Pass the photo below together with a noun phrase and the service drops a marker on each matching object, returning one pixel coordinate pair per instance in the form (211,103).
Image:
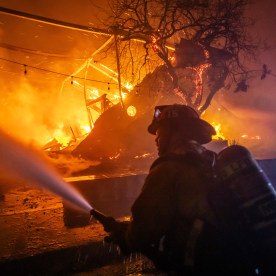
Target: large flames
(64,132)
(219,135)
(96,101)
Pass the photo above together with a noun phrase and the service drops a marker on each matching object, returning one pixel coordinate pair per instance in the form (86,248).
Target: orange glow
(142,156)
(114,157)
(85,129)
(128,86)
(245,136)
(131,111)
(154,45)
(219,135)
(110,70)
(172,58)
(198,80)
(61,136)
(206,53)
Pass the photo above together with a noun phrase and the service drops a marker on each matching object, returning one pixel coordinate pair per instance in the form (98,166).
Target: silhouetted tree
(207,36)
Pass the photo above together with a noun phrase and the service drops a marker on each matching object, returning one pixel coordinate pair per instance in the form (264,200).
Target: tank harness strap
(205,161)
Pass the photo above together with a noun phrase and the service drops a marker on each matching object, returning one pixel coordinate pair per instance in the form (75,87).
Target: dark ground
(35,241)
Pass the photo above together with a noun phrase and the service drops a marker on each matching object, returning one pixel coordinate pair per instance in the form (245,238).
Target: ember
(245,136)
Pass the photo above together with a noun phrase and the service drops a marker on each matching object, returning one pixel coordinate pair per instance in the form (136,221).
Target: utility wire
(72,26)
(55,22)
(35,52)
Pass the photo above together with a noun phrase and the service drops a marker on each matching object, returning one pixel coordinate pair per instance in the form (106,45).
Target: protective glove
(116,229)
(117,235)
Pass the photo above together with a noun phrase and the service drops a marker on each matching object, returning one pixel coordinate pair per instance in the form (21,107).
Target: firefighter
(173,222)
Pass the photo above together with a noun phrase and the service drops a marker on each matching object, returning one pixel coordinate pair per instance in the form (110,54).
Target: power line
(54,22)
(72,26)
(35,52)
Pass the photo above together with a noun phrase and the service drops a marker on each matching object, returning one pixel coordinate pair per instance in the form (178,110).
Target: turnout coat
(174,223)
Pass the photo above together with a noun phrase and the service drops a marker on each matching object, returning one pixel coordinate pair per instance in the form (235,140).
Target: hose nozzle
(107,222)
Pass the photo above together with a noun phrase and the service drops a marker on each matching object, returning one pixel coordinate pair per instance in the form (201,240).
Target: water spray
(18,162)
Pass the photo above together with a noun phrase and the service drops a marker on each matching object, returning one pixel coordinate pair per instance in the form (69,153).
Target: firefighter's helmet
(179,118)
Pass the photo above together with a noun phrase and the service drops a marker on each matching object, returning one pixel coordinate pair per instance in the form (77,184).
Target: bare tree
(207,37)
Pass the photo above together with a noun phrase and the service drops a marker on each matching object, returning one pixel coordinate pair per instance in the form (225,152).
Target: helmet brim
(203,128)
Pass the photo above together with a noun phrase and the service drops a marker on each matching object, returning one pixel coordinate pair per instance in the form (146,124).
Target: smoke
(36,115)
(31,107)
(245,125)
(68,165)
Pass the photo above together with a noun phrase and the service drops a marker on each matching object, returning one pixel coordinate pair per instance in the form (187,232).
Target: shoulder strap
(206,160)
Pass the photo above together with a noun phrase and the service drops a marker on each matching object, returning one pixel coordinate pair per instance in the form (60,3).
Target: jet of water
(16,161)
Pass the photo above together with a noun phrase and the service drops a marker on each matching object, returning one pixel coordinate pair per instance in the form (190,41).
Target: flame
(128,86)
(172,59)
(142,156)
(154,44)
(206,53)
(219,135)
(86,128)
(62,138)
(64,135)
(115,157)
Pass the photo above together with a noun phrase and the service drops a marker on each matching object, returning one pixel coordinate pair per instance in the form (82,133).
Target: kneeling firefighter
(175,221)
